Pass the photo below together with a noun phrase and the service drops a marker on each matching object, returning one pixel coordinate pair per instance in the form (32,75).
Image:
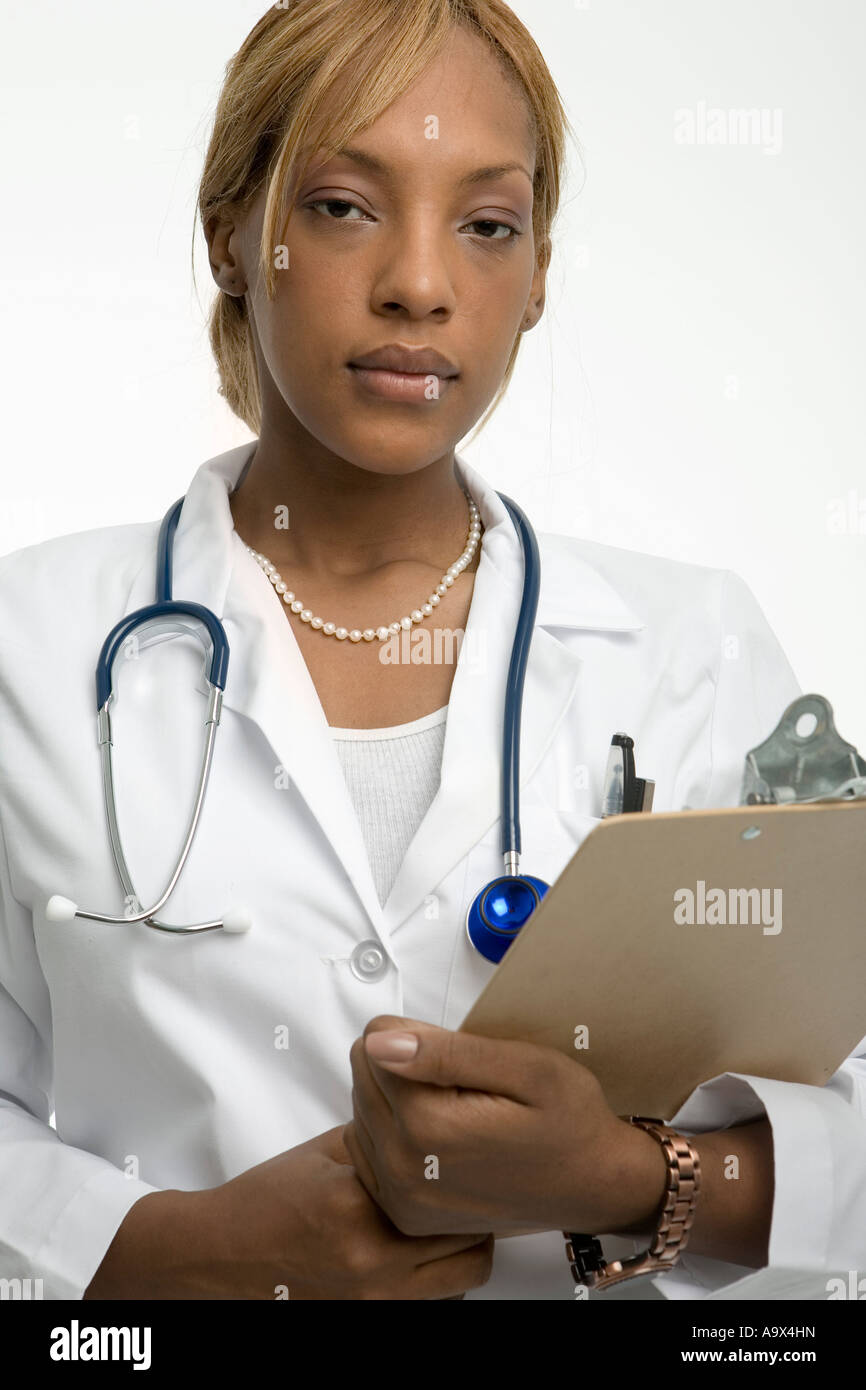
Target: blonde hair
(275,85)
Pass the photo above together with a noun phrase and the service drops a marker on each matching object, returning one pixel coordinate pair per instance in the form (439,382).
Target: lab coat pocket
(551,839)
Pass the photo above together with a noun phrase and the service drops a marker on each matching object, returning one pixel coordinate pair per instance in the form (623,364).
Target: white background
(695,389)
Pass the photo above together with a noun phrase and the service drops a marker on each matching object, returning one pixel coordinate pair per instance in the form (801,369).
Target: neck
(323,516)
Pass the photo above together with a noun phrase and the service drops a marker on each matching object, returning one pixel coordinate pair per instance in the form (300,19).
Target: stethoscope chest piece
(500,910)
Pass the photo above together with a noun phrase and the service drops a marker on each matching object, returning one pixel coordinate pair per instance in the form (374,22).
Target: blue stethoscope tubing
(496,914)
(499,911)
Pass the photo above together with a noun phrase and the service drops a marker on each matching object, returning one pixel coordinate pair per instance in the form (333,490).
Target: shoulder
(70,568)
(61,595)
(689,624)
(654,589)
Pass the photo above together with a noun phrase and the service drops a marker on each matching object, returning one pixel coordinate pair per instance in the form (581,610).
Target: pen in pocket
(623,791)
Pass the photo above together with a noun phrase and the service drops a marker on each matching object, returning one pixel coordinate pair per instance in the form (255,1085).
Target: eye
(337,203)
(489,222)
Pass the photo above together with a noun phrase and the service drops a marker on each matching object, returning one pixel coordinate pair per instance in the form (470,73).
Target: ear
(535,302)
(224,253)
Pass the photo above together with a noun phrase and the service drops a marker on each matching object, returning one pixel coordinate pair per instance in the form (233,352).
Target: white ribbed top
(392,775)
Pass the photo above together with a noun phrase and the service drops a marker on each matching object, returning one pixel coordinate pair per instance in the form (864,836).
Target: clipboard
(667,1004)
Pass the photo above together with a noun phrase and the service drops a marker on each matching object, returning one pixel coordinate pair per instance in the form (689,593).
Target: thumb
(442,1057)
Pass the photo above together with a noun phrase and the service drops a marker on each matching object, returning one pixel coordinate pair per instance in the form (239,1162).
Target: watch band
(584,1252)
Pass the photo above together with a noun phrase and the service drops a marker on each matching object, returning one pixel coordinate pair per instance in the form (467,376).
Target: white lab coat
(161,1055)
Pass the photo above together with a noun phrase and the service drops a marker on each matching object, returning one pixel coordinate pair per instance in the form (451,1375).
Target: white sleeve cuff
(80,1237)
(802,1122)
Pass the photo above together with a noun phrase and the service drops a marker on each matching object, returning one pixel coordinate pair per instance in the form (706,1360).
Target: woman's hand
(300,1226)
(477,1134)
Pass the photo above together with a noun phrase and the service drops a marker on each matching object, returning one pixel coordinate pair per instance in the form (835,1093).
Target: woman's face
(410,238)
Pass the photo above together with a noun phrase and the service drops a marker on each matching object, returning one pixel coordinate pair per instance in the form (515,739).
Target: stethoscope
(497,913)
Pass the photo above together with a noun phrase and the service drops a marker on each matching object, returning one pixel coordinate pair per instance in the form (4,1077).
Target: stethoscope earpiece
(60,909)
(237,920)
(500,910)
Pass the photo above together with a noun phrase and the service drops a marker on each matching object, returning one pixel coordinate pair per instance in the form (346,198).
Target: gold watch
(584,1253)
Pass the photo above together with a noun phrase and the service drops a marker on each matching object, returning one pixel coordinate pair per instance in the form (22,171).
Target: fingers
(368,1092)
(432,1249)
(451,1275)
(332,1143)
(357,1146)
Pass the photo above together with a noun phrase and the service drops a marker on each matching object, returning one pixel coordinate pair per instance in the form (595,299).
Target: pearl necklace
(382,633)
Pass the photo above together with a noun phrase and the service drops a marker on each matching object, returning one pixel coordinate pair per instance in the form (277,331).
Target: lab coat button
(369,962)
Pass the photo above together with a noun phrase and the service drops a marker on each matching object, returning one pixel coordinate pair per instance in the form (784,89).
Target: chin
(393,453)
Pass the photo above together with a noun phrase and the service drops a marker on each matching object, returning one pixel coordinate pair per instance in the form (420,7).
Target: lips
(397,358)
(403,387)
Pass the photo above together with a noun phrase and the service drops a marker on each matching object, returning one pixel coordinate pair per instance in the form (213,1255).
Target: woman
(228,1122)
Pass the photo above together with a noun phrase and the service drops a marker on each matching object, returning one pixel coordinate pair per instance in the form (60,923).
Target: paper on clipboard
(779,991)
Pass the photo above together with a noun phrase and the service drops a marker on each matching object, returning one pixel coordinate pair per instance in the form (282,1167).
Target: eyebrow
(483,175)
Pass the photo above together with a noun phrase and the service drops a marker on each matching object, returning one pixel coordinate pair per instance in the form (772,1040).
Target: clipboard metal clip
(804,759)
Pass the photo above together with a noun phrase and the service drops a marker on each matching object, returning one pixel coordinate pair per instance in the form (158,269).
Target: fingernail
(392,1047)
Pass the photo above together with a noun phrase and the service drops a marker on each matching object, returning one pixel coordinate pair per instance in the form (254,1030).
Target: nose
(415,275)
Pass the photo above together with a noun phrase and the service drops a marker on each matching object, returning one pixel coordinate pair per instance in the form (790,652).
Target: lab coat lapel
(268,681)
(273,687)
(469,798)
